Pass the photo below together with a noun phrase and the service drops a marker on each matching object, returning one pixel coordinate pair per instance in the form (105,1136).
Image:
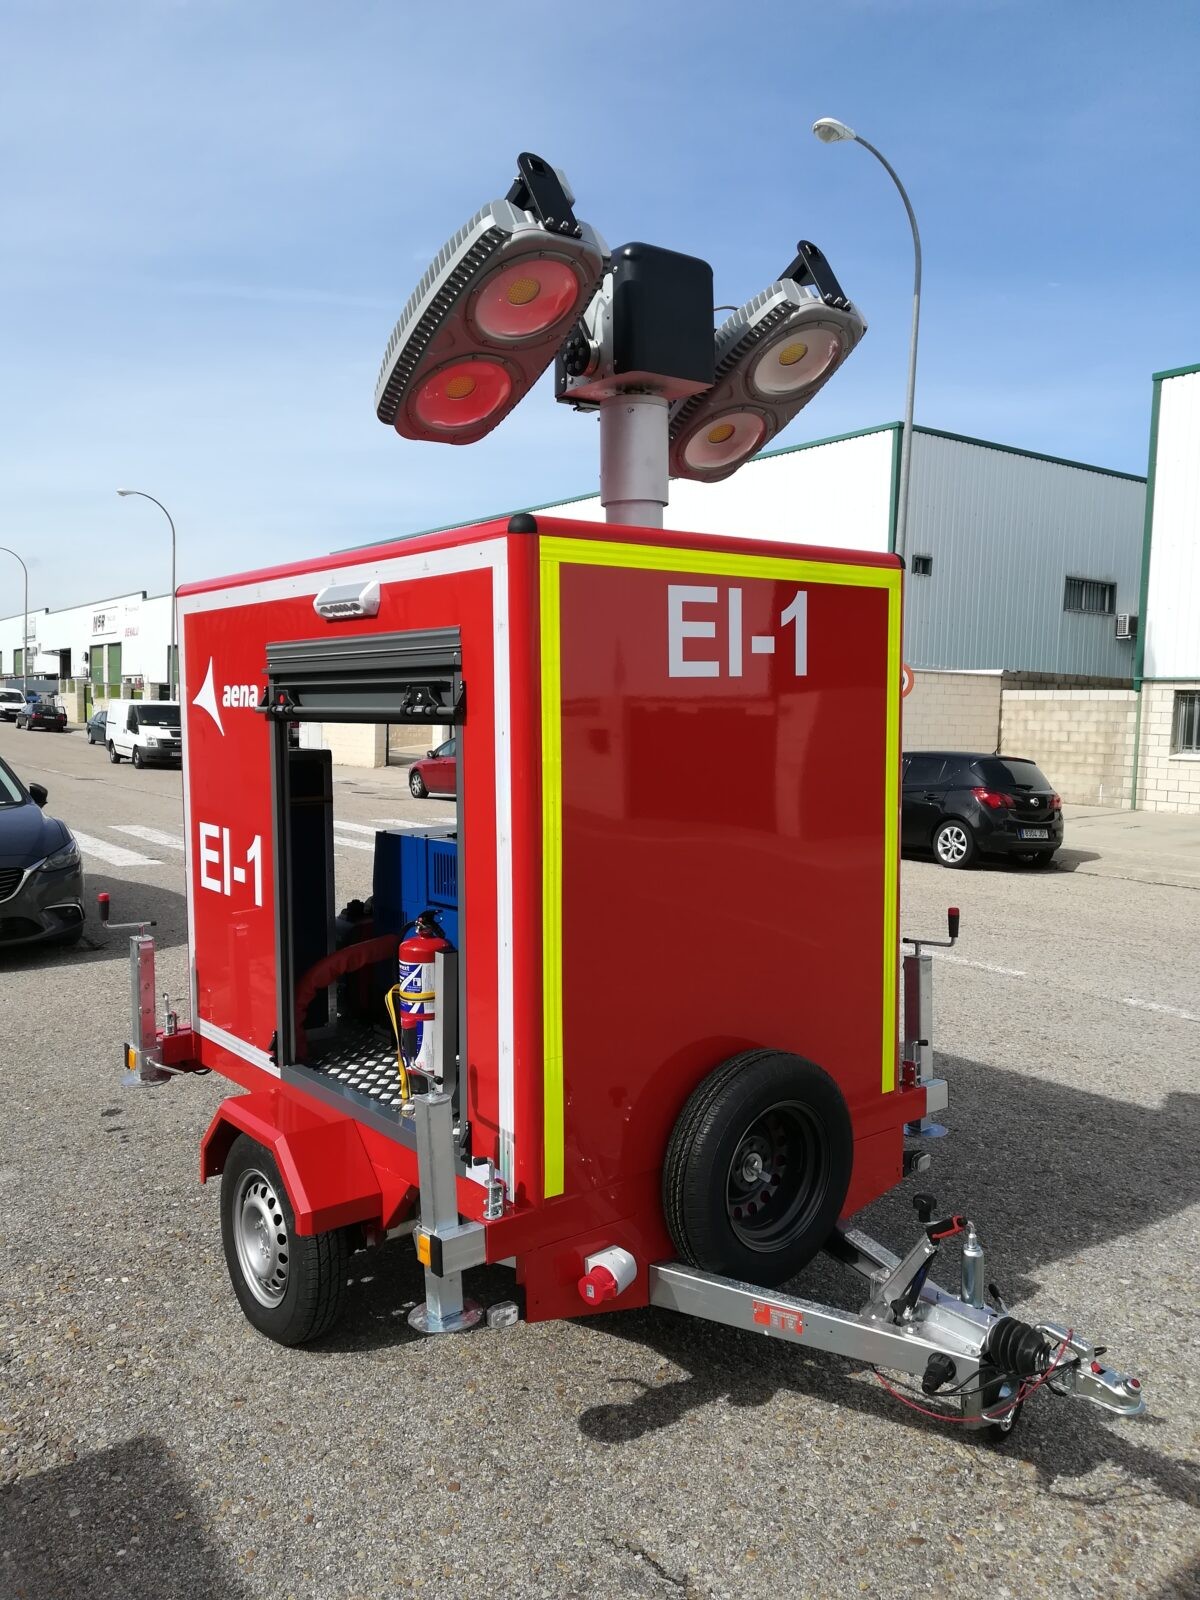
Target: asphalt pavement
(152,1445)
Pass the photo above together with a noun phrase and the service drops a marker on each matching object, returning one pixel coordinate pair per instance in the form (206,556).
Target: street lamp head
(124,492)
(830,131)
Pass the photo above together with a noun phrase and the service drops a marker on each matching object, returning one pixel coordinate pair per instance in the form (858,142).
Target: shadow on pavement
(385,1284)
(129,901)
(1067,860)
(1048,1172)
(118,1522)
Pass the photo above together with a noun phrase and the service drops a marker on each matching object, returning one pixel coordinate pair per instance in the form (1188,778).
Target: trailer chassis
(981,1362)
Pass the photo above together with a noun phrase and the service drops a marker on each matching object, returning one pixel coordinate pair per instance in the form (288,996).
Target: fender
(328,1175)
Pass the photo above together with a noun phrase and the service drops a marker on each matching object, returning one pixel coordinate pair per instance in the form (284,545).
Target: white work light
(772,357)
(487,318)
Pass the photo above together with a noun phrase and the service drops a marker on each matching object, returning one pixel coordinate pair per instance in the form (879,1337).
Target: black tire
(416,786)
(112,754)
(137,757)
(762,1228)
(66,940)
(954,843)
(308,1274)
(1042,859)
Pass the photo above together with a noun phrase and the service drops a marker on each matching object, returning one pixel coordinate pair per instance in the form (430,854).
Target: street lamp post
(172,668)
(830,131)
(24,622)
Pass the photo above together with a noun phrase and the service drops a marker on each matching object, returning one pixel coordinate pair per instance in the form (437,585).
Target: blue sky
(213,212)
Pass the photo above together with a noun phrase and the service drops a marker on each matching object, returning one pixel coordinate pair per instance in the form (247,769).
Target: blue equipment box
(416,872)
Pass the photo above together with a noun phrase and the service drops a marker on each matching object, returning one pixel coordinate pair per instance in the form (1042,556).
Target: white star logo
(206,697)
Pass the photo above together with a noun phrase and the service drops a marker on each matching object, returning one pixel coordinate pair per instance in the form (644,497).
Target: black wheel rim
(777,1177)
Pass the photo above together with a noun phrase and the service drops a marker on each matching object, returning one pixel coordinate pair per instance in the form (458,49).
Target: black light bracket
(810,269)
(539,189)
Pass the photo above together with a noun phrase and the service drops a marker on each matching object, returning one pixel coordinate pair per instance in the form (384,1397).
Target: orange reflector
(423,1249)
(131,1058)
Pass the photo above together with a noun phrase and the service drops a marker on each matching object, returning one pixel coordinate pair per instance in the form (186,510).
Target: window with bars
(1185,727)
(922,566)
(1090,594)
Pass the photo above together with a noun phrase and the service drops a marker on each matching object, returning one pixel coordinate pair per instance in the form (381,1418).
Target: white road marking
(981,966)
(1155,1005)
(169,841)
(414,825)
(354,827)
(114,854)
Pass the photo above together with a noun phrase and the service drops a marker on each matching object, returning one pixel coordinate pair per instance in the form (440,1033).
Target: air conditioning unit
(1127,625)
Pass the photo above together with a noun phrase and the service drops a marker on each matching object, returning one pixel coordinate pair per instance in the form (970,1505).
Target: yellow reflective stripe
(552,1024)
(556,551)
(891,822)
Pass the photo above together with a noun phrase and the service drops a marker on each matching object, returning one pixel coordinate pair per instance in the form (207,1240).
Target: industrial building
(118,646)
(1167,670)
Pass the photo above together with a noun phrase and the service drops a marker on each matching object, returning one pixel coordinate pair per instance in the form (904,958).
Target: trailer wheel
(757,1167)
(290,1287)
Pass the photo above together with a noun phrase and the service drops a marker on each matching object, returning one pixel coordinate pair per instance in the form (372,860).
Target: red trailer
(631,1024)
(668,1062)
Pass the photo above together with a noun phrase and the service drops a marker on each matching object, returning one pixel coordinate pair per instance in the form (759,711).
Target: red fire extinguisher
(417,989)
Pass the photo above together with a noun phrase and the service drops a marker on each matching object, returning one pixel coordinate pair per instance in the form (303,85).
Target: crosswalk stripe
(437,824)
(352,844)
(353,827)
(114,854)
(169,841)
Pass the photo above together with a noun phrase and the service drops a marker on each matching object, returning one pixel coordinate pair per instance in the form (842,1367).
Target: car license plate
(1035,833)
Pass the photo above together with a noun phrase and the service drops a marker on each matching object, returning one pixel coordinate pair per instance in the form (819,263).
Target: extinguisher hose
(389,1000)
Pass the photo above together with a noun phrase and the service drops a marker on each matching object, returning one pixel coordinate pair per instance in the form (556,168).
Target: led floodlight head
(485,321)
(772,356)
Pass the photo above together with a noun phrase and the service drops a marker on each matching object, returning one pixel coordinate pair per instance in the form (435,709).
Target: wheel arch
(329,1177)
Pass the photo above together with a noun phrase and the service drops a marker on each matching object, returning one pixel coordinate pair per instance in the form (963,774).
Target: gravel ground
(154,1446)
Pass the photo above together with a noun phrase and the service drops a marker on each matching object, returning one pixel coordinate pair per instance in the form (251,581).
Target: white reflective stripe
(115,855)
(237,1047)
(169,841)
(485,554)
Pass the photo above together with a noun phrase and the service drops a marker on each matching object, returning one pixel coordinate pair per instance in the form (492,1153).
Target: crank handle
(953,917)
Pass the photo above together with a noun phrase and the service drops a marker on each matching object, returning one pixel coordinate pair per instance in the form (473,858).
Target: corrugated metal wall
(1005,531)
(837,493)
(1173,597)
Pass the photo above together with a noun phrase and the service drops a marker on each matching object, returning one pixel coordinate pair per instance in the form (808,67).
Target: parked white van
(145,732)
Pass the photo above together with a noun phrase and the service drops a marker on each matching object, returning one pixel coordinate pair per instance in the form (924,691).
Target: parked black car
(41,876)
(962,806)
(97,724)
(42,714)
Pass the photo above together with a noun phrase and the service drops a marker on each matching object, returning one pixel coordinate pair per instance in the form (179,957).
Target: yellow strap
(390,1001)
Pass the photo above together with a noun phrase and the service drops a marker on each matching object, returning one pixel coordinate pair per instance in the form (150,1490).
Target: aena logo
(233,694)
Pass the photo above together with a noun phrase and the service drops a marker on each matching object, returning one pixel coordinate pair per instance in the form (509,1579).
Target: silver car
(41,875)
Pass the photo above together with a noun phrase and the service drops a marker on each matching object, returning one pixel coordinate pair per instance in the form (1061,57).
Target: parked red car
(42,714)
(437,773)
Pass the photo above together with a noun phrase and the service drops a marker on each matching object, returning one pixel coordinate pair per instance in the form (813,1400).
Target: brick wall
(1166,782)
(1081,738)
(952,711)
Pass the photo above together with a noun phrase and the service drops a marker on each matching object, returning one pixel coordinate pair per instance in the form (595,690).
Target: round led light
(462,395)
(792,364)
(522,302)
(735,436)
